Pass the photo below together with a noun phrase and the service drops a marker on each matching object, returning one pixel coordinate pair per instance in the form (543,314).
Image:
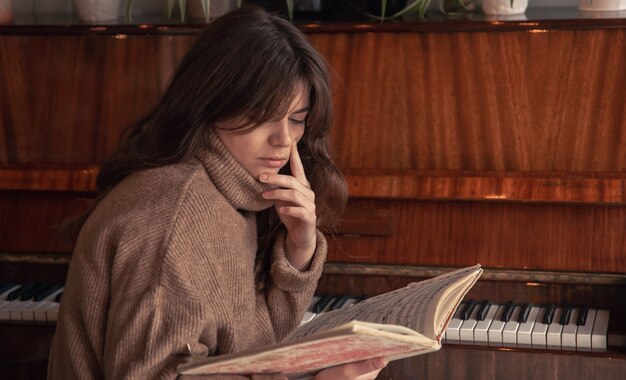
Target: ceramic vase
(6,12)
(601,5)
(504,7)
(97,10)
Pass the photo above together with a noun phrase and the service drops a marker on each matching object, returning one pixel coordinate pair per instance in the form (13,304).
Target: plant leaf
(169,8)
(414,6)
(129,15)
(289,9)
(182,4)
(383,8)
(206,8)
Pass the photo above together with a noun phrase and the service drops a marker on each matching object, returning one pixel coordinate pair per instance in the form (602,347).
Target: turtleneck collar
(239,188)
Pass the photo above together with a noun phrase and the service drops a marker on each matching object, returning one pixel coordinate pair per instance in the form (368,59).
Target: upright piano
(463,141)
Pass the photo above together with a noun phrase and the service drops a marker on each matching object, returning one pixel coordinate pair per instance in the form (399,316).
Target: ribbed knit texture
(166,260)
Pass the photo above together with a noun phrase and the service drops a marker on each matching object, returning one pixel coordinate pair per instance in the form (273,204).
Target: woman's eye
(296,121)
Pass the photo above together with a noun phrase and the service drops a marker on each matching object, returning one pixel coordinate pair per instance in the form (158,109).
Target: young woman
(204,239)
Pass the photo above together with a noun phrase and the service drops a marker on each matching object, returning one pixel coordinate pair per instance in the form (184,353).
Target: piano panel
(586,238)
(458,362)
(100,84)
(30,220)
(522,100)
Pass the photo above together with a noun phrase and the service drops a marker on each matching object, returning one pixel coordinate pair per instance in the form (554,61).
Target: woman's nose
(281,134)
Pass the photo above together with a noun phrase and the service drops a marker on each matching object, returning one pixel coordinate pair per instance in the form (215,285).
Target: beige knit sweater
(166,260)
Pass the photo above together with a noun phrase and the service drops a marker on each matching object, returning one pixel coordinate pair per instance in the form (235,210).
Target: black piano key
(549,314)
(323,302)
(582,316)
(360,298)
(508,310)
(340,302)
(32,292)
(6,286)
(467,310)
(46,292)
(17,293)
(58,297)
(523,314)
(565,315)
(482,312)
(332,305)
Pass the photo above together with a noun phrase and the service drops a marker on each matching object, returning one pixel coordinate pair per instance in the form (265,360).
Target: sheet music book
(404,322)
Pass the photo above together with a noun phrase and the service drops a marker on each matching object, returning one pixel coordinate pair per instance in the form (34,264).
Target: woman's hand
(295,204)
(365,370)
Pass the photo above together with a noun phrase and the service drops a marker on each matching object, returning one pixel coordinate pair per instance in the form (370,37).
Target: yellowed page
(421,306)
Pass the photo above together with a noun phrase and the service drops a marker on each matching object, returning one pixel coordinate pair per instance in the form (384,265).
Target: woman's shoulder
(153,193)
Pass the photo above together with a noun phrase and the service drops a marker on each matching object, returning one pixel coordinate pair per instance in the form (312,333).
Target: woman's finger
(287,182)
(290,196)
(297,168)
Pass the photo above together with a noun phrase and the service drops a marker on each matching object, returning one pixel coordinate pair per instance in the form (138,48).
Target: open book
(405,322)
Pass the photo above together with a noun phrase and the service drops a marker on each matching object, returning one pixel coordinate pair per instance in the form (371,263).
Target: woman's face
(267,147)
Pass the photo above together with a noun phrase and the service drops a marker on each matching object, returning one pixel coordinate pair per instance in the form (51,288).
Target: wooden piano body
(498,142)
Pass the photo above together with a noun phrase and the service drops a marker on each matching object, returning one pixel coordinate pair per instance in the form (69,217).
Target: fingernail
(263,177)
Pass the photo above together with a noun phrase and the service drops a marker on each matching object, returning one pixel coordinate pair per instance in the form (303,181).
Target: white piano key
(555,329)
(5,310)
(351,302)
(539,331)
(29,313)
(496,327)
(600,329)
(481,331)
(524,333)
(568,336)
(309,314)
(454,327)
(307,317)
(52,312)
(509,332)
(16,310)
(466,332)
(40,313)
(583,335)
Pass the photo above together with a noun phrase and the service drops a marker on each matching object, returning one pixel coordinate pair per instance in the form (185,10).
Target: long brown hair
(247,64)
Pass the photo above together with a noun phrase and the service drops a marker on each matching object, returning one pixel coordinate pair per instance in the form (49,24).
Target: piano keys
(540,327)
(509,325)
(30,302)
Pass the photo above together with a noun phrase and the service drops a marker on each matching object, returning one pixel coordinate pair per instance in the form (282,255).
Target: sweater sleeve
(291,290)
(147,335)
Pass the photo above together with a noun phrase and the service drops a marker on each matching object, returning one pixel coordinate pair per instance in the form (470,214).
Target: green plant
(415,6)
(289,9)
(182,5)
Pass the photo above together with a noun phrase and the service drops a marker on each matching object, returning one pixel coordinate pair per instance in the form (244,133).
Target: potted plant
(202,9)
(420,7)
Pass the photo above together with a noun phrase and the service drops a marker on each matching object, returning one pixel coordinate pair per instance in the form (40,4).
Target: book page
(348,343)
(416,306)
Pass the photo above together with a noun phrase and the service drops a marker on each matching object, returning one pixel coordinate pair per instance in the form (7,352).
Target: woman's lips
(274,162)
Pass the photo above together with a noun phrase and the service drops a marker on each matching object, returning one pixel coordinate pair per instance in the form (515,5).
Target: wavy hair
(245,64)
